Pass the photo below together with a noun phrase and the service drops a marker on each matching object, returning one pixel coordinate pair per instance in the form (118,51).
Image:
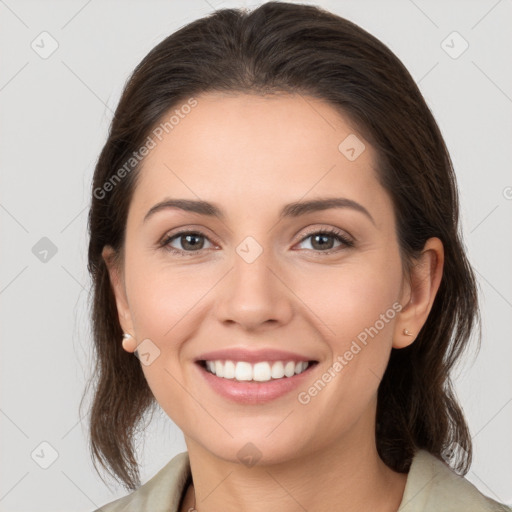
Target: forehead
(248,149)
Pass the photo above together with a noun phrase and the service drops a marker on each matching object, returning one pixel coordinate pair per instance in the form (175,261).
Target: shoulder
(432,486)
(162,493)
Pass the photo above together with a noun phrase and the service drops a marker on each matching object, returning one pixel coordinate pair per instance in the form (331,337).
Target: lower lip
(250,392)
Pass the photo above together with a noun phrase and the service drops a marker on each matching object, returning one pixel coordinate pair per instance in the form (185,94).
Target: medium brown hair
(302,49)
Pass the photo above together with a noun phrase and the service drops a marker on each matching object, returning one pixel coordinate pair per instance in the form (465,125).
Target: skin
(250,155)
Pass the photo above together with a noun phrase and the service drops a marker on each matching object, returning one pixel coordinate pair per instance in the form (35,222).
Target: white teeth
(243,370)
(229,370)
(277,371)
(289,369)
(259,372)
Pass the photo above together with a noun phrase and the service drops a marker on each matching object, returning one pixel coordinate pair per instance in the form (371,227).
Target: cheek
(163,296)
(165,306)
(353,297)
(356,309)
(168,306)
(356,314)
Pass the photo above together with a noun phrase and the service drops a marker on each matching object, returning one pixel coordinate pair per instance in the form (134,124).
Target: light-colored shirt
(431,486)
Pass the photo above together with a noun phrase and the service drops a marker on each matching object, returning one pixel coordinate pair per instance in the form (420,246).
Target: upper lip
(252,356)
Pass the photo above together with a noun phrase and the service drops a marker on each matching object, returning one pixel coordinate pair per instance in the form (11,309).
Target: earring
(129,343)
(407,333)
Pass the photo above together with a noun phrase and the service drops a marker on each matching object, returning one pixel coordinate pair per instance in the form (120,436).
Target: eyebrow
(295,209)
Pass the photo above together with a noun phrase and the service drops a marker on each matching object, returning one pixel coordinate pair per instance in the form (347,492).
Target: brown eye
(186,241)
(325,240)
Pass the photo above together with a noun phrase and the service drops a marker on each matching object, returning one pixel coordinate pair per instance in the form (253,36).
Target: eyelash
(164,244)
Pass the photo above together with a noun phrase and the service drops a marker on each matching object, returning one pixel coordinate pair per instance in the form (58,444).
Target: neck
(343,476)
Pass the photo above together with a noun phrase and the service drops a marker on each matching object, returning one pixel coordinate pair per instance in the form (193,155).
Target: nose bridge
(252,294)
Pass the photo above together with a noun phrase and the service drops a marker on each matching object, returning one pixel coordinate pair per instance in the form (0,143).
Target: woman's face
(251,276)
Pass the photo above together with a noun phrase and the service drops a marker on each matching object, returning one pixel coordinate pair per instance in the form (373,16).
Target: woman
(274,234)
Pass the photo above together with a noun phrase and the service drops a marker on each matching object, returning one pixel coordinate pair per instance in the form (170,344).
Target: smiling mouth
(263,371)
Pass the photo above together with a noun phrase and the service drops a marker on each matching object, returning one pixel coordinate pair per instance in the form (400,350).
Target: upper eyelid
(331,230)
(185,231)
(201,230)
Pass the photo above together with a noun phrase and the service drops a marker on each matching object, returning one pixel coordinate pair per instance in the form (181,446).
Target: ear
(419,292)
(119,289)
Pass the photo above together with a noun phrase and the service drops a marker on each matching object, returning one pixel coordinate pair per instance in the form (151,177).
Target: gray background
(55,113)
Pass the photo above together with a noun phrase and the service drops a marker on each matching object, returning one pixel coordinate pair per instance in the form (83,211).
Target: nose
(254,295)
